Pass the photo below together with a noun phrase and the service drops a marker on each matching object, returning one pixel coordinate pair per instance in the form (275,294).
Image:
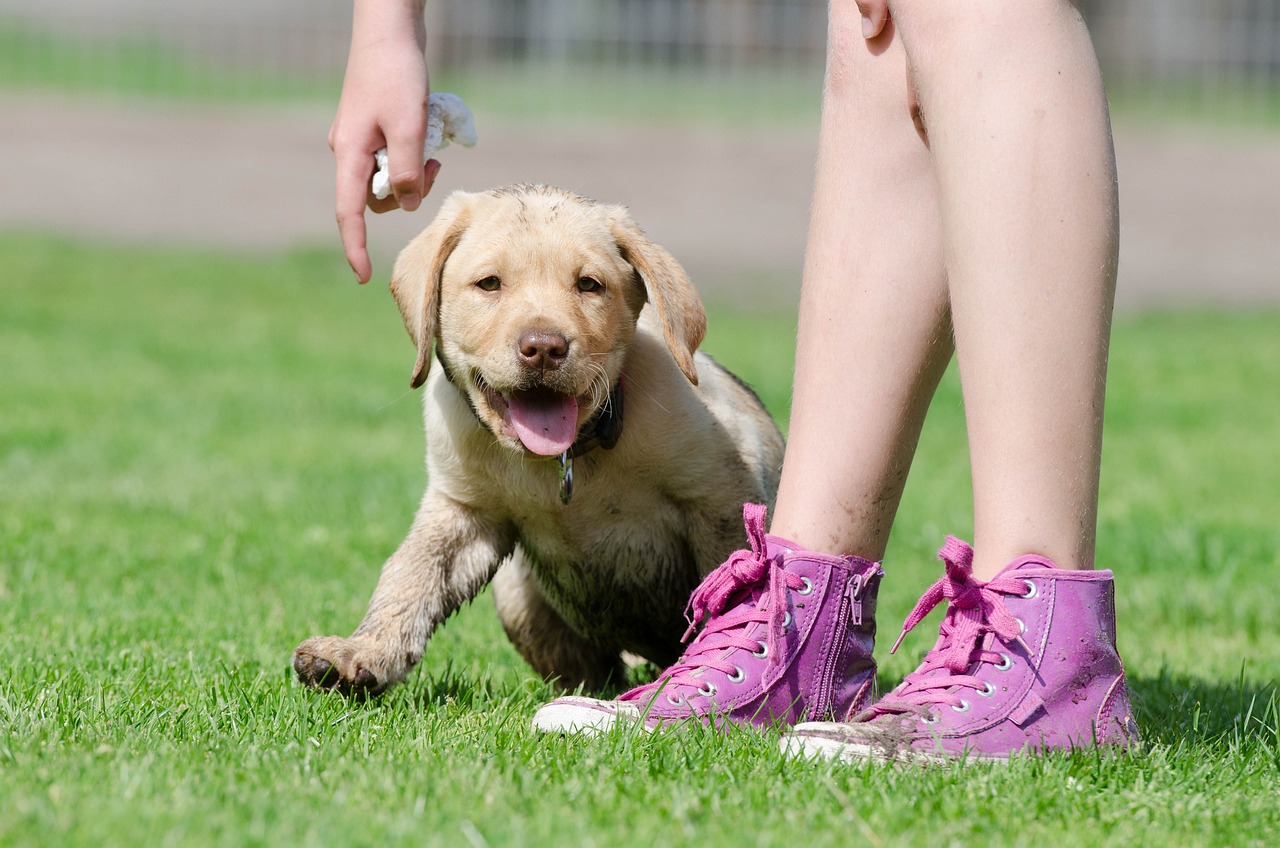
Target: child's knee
(870,73)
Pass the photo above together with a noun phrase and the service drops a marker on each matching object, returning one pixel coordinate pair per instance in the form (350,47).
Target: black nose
(542,350)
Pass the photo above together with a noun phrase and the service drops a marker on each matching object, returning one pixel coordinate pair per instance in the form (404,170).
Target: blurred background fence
(1210,59)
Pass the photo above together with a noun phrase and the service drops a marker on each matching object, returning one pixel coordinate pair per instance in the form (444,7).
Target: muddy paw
(334,664)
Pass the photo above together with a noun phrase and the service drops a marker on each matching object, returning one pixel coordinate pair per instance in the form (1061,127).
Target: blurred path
(1200,213)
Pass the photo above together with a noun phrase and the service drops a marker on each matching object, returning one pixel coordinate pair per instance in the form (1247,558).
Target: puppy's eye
(589,284)
(489,284)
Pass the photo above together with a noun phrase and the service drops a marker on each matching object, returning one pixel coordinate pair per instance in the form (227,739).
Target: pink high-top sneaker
(1025,662)
(786,636)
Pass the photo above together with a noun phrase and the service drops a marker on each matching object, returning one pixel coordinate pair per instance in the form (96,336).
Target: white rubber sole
(582,717)
(799,745)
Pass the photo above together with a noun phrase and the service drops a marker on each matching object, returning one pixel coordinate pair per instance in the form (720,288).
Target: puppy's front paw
(334,664)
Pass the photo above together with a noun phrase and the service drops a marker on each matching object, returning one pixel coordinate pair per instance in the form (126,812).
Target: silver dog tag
(566,477)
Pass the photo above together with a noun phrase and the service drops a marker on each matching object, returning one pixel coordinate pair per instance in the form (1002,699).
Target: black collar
(605,427)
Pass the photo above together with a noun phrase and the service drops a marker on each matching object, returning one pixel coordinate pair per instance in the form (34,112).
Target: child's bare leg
(874,335)
(1017,121)
(1026,660)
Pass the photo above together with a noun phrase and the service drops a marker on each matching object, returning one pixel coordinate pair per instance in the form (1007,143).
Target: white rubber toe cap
(582,716)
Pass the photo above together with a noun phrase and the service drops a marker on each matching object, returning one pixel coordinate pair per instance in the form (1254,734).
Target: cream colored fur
(576,585)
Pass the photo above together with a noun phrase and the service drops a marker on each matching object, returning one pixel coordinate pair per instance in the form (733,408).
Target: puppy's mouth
(544,420)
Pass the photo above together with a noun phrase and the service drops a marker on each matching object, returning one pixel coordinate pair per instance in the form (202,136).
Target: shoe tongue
(777,546)
(1028,562)
(545,422)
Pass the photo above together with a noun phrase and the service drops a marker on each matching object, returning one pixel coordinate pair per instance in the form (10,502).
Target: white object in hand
(448,119)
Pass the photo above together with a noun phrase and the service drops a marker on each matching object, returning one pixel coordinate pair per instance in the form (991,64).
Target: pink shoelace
(755,586)
(973,609)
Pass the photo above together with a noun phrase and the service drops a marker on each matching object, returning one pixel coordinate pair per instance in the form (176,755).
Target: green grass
(204,460)
(747,98)
(590,89)
(35,59)
(1234,104)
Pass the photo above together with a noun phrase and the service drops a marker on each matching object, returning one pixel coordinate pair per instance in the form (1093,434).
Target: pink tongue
(546,424)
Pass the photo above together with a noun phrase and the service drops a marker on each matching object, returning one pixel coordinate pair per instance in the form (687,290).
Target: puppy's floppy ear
(415,282)
(680,312)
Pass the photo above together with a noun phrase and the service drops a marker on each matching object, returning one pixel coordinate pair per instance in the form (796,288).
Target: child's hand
(383,104)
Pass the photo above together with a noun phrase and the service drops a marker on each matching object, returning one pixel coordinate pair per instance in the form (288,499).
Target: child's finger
(404,163)
(874,15)
(354,173)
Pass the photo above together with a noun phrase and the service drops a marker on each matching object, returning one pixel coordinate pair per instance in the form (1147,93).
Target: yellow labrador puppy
(581,454)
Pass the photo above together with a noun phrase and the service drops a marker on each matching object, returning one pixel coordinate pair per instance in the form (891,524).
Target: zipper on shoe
(853,591)
(850,615)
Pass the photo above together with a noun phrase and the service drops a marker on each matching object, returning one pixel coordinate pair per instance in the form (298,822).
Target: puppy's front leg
(450,554)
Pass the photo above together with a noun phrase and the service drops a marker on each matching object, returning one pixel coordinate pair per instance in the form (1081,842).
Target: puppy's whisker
(495,448)
(638,386)
(394,400)
(601,396)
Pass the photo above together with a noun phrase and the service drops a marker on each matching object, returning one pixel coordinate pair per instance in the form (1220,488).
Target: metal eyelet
(1022,625)
(1006,663)
(762,653)
(738,675)
(808,587)
(987,690)
(929,720)
(963,708)
(1032,591)
(710,690)
(675,702)
(786,619)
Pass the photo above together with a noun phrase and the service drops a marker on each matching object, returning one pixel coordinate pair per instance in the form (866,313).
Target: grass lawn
(204,460)
(39,58)
(34,59)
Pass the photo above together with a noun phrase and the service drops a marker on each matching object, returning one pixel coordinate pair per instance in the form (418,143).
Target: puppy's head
(532,296)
